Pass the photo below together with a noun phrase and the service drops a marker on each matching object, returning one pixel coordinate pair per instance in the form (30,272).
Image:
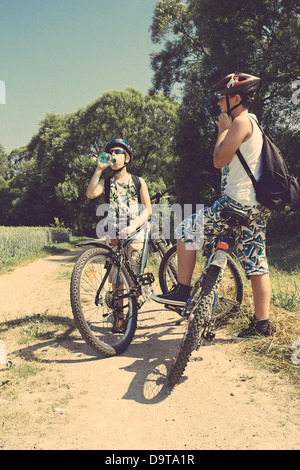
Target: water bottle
(2,353)
(107,158)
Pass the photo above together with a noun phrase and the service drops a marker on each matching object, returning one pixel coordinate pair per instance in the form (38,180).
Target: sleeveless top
(124,207)
(235,182)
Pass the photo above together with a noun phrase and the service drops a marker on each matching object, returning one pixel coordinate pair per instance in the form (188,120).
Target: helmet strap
(120,169)
(233,107)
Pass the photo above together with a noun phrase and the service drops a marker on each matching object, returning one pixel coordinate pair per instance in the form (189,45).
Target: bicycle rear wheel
(231,289)
(199,315)
(105,316)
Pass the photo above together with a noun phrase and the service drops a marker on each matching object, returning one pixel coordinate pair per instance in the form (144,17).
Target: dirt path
(80,401)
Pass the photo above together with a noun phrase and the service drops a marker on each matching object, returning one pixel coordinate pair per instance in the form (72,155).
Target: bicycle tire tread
(200,312)
(98,346)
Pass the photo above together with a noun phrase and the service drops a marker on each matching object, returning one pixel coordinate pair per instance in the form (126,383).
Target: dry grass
(275,352)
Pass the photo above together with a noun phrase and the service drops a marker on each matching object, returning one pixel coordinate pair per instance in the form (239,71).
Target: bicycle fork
(108,268)
(219,259)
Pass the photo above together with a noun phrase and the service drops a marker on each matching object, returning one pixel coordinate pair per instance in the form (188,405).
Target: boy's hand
(127,231)
(102,166)
(223,122)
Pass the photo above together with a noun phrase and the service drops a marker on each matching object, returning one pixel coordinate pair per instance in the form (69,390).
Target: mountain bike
(106,293)
(217,293)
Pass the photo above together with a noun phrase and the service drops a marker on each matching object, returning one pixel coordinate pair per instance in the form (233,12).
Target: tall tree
(8,193)
(4,165)
(53,171)
(215,37)
(202,40)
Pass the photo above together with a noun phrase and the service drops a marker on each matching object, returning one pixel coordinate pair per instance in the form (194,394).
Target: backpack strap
(246,166)
(107,188)
(243,161)
(136,181)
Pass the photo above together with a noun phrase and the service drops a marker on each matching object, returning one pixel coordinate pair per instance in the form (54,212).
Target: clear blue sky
(59,55)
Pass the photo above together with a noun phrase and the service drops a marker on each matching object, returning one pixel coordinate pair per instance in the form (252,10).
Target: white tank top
(235,181)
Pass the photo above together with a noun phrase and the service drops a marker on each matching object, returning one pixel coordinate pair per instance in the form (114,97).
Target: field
(22,244)
(19,244)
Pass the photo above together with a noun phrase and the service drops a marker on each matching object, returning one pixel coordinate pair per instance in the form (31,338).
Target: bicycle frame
(216,254)
(139,280)
(107,290)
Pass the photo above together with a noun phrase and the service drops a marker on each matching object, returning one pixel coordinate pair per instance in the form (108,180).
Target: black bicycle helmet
(238,83)
(119,143)
(242,83)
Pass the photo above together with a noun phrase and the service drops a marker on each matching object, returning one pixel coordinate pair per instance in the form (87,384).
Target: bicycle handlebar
(157,197)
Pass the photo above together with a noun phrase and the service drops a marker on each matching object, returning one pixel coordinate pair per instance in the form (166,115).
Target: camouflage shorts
(198,229)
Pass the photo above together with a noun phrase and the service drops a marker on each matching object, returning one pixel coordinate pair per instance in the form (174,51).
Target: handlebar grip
(160,194)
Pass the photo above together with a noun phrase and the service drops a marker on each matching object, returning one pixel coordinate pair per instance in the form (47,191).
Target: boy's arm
(145,198)
(96,186)
(230,136)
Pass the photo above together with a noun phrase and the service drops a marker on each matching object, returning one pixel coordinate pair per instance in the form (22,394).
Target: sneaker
(256,329)
(178,296)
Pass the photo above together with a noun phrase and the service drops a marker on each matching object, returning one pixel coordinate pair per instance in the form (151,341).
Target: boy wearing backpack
(126,194)
(236,129)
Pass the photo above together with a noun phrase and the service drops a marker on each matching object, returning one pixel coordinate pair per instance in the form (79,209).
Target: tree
(202,40)
(4,168)
(52,172)
(147,122)
(216,37)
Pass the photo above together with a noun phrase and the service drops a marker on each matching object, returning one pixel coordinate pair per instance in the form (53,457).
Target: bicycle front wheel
(199,316)
(103,304)
(231,289)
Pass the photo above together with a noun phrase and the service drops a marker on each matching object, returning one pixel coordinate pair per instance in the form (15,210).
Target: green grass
(286,292)
(38,341)
(275,352)
(284,260)
(19,245)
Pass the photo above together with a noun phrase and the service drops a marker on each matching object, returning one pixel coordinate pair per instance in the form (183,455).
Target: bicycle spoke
(99,305)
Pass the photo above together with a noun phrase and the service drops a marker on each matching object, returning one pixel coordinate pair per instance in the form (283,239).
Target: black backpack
(276,188)
(136,181)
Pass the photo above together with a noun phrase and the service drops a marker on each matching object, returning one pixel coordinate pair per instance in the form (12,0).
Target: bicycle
(218,292)
(106,294)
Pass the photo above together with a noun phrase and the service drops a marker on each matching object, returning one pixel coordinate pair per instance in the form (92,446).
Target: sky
(59,55)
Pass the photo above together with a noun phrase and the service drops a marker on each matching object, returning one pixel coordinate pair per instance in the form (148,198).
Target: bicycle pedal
(209,336)
(145,279)
(180,311)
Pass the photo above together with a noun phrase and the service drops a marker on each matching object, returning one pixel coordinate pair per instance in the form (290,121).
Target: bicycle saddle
(234,217)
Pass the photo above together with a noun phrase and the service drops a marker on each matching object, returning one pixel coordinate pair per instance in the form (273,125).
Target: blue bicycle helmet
(119,143)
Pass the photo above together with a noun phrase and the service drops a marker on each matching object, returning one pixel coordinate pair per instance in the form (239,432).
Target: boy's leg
(191,237)
(261,288)
(252,254)
(134,253)
(186,259)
